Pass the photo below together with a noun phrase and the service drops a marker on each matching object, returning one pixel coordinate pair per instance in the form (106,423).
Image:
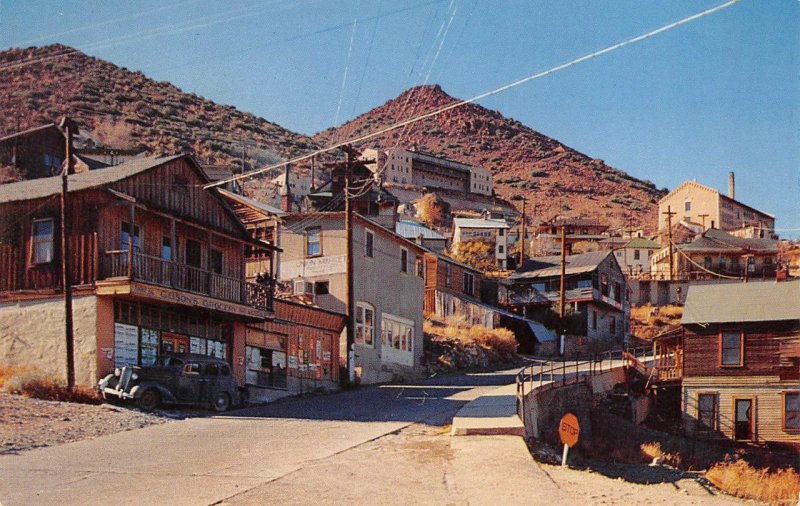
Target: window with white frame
(365,324)
(313,242)
(396,334)
(469,283)
(42,238)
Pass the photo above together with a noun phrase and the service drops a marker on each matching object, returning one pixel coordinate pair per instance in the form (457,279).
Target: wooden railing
(169,274)
(668,372)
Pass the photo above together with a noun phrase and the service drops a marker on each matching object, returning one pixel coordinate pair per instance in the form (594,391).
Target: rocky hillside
(125,109)
(555,178)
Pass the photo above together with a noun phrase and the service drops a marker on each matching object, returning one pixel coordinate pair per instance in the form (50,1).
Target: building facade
(388,286)
(492,231)
(733,371)
(157,264)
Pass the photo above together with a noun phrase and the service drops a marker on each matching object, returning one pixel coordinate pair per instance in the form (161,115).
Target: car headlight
(117,371)
(134,376)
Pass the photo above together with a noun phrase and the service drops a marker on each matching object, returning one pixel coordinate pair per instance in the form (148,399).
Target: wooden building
(733,371)
(157,264)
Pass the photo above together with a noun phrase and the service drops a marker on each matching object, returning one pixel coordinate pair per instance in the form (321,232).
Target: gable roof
(255,205)
(641,242)
(543,267)
(33,130)
(692,183)
(49,186)
(758,301)
(716,240)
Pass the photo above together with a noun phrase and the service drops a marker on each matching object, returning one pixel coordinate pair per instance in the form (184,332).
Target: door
(743,429)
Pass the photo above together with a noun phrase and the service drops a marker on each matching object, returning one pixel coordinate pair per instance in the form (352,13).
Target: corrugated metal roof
(543,267)
(48,186)
(412,229)
(479,223)
(742,302)
(252,203)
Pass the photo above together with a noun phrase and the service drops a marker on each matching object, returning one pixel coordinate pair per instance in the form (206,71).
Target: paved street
(330,447)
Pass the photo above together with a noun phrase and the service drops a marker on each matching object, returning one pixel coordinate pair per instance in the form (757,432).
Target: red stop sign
(569,429)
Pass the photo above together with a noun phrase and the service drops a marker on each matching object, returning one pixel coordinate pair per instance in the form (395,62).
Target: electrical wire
(518,82)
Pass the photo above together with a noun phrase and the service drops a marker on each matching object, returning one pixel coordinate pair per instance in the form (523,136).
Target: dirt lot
(31,423)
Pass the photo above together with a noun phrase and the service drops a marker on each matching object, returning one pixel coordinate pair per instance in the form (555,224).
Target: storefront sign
(309,267)
(193,300)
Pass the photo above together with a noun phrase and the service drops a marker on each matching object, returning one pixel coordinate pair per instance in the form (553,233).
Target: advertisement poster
(126,345)
(149,346)
(292,362)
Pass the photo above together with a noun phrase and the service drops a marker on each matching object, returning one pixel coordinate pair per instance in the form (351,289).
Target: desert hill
(555,178)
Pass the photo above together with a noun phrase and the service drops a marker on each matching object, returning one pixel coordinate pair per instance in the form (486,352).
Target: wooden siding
(762,350)
(767,395)
(176,188)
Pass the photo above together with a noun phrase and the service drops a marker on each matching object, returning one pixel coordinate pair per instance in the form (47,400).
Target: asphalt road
(293,451)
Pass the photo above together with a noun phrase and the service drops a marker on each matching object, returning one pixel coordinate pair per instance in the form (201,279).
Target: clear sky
(719,94)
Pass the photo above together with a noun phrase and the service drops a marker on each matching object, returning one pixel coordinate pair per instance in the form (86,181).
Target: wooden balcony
(168,274)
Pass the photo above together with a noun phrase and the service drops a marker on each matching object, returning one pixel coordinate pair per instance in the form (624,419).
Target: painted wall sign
(194,300)
(309,267)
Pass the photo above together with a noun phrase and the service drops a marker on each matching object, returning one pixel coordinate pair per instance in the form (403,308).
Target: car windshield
(167,361)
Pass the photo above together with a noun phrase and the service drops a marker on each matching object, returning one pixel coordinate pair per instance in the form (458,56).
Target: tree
(430,209)
(477,254)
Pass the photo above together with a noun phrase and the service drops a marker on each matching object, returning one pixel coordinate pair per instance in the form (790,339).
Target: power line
(460,103)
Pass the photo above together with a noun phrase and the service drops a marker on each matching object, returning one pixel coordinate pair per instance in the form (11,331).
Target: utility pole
(703,217)
(522,236)
(562,310)
(244,154)
(348,227)
(669,214)
(313,171)
(66,276)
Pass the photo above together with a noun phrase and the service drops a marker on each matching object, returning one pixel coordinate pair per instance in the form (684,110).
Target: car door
(189,383)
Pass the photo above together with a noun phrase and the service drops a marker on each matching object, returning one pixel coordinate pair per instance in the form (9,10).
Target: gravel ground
(32,423)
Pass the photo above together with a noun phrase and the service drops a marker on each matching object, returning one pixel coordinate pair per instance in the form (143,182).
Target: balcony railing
(169,274)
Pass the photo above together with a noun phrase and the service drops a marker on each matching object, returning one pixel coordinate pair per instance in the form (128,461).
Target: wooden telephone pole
(522,236)
(703,218)
(66,274)
(348,227)
(670,214)
(562,309)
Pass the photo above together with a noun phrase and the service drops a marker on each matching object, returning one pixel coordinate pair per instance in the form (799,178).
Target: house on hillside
(733,371)
(634,256)
(156,263)
(493,231)
(595,294)
(415,231)
(696,203)
(388,285)
(717,252)
(547,236)
(410,166)
(298,351)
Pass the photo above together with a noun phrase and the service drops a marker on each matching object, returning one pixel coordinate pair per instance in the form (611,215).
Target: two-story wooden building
(157,264)
(733,370)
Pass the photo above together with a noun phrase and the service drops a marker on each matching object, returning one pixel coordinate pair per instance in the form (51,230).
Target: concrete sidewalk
(494,413)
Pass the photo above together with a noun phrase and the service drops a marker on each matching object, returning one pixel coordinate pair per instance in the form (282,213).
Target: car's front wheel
(222,402)
(149,400)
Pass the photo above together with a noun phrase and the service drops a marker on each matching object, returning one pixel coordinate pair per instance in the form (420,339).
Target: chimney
(286,192)
(731,186)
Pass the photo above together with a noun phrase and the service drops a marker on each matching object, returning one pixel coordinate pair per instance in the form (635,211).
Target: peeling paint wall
(32,334)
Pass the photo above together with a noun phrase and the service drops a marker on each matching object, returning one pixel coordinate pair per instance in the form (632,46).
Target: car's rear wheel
(149,400)
(222,402)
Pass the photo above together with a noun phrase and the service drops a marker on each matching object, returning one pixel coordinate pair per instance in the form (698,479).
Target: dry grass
(500,339)
(29,382)
(652,451)
(740,479)
(650,315)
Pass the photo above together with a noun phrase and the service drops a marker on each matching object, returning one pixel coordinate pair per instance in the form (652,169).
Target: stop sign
(569,429)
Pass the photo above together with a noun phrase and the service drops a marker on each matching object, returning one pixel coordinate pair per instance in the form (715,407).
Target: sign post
(568,429)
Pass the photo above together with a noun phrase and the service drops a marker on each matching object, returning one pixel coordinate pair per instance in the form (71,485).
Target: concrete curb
(494,413)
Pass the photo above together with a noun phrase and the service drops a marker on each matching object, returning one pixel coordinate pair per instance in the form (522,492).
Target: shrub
(740,479)
(29,382)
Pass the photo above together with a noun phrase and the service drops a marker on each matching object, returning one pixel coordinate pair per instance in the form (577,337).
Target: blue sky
(719,94)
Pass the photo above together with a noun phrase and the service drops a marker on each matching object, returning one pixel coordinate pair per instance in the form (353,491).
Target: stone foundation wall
(32,334)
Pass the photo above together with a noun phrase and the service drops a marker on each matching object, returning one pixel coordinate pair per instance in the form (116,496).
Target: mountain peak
(525,163)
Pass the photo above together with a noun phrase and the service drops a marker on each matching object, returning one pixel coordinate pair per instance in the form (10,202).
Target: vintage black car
(176,378)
